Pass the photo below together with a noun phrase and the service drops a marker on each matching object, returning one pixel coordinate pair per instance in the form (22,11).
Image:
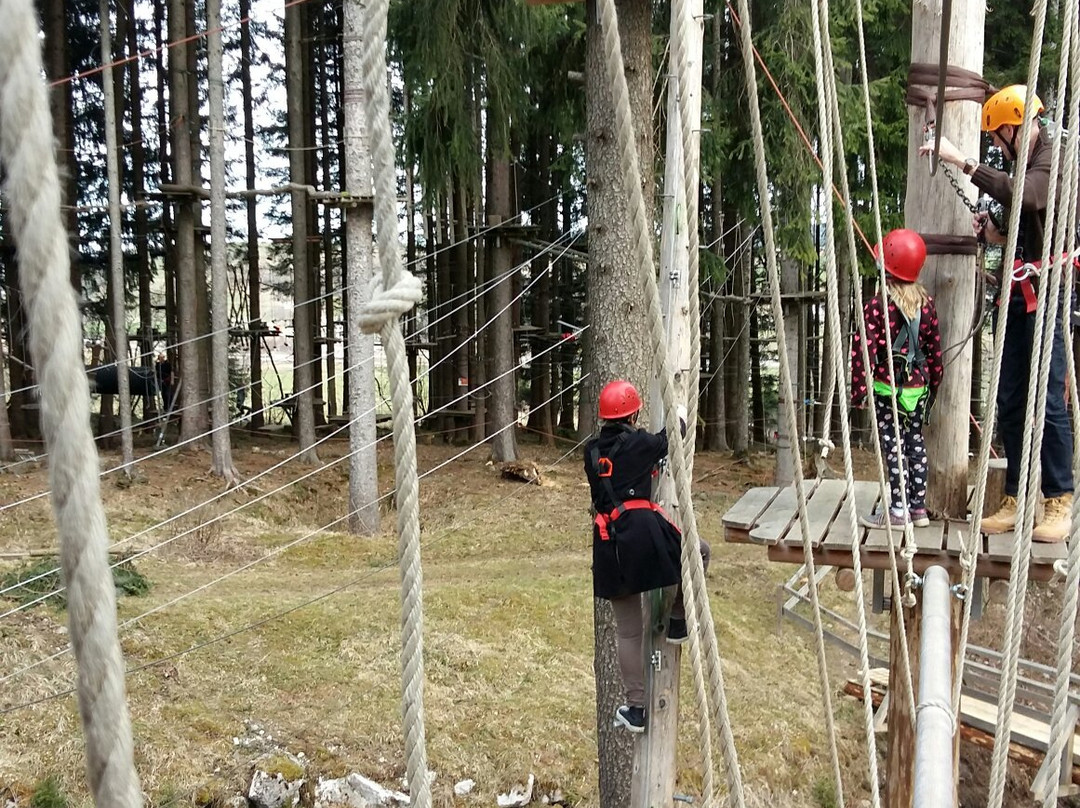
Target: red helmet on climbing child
(903,253)
(619,399)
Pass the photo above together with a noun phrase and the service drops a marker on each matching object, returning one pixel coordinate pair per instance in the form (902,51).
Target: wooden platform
(768,516)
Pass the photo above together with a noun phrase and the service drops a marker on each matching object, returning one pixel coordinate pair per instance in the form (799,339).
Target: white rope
(692,571)
(826,71)
(32,186)
(1061,734)
(385,310)
(1028,492)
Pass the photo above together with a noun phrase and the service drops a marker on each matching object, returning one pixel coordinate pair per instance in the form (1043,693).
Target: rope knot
(386,305)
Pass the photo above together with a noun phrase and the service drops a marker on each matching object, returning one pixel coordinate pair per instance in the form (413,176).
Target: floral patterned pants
(913,457)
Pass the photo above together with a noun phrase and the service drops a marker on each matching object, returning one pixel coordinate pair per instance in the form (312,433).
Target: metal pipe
(935,780)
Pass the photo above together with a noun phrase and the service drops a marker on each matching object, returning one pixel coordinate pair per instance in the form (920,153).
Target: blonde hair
(909,297)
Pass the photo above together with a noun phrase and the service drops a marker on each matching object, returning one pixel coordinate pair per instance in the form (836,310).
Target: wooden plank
(744,513)
(820,510)
(958,532)
(866,497)
(777,518)
(999,547)
(1048,553)
(1031,732)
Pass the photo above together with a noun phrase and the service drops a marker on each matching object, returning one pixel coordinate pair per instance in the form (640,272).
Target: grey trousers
(630,634)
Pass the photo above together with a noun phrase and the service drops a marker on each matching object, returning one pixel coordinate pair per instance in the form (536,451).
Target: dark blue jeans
(1020,357)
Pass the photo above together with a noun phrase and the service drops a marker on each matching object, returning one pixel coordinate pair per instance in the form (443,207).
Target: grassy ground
(508,637)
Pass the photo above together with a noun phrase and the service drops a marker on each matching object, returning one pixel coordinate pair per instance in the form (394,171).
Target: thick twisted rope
(825,71)
(383,313)
(33,190)
(750,77)
(1035,409)
(692,571)
(1060,733)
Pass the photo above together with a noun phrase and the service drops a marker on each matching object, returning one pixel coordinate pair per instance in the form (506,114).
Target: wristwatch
(970,165)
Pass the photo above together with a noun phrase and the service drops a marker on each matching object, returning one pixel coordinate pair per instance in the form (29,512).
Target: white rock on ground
(464,787)
(518,795)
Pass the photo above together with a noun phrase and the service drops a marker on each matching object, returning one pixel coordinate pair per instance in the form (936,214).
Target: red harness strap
(602,520)
(1024,282)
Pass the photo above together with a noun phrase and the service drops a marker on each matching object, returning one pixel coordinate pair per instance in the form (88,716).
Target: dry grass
(508,638)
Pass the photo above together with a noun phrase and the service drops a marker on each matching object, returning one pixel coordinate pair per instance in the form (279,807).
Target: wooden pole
(654,769)
(900,763)
(933,207)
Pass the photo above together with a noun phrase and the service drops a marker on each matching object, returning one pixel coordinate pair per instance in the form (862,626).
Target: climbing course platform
(769,516)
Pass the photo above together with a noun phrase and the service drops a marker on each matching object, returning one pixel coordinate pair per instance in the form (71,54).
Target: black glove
(927,405)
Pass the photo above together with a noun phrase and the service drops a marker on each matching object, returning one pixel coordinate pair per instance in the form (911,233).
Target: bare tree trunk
(792,340)
(540,372)
(57,68)
(255,324)
(504,388)
(363,468)
(222,462)
(743,334)
(460,276)
(302,304)
(142,229)
(613,347)
(116,249)
(7,449)
(192,424)
(327,233)
(715,438)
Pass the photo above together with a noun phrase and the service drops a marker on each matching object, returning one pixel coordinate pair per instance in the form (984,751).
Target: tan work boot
(1003,520)
(1056,521)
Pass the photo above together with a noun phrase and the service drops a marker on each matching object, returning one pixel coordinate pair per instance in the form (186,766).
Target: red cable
(798,126)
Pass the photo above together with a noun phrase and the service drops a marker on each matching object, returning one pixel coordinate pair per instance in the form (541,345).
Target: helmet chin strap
(1012,145)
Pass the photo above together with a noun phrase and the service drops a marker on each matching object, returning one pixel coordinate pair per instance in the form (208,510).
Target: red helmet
(903,253)
(619,399)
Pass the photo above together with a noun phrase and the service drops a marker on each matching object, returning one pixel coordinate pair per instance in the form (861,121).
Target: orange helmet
(903,253)
(619,399)
(1007,107)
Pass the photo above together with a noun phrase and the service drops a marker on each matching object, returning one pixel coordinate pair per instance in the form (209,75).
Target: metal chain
(959,191)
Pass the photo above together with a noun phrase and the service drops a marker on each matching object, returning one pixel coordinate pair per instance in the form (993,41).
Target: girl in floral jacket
(913,380)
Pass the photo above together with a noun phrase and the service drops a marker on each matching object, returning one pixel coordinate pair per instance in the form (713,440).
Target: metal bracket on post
(880,602)
(656,660)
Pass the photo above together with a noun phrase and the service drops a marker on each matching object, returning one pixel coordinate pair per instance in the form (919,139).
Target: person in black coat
(636,546)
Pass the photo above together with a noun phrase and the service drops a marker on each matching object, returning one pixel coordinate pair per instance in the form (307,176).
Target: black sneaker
(632,718)
(676,631)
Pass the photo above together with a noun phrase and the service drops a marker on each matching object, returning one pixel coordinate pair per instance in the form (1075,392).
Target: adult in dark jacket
(1002,118)
(635,546)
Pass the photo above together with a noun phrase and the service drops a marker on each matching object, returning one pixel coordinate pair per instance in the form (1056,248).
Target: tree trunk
(568,352)
(757,393)
(329,309)
(255,323)
(744,334)
(222,462)
(116,249)
(57,68)
(460,275)
(504,388)
(540,371)
(363,468)
(303,349)
(931,207)
(142,226)
(7,449)
(613,347)
(715,438)
(192,410)
(792,342)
